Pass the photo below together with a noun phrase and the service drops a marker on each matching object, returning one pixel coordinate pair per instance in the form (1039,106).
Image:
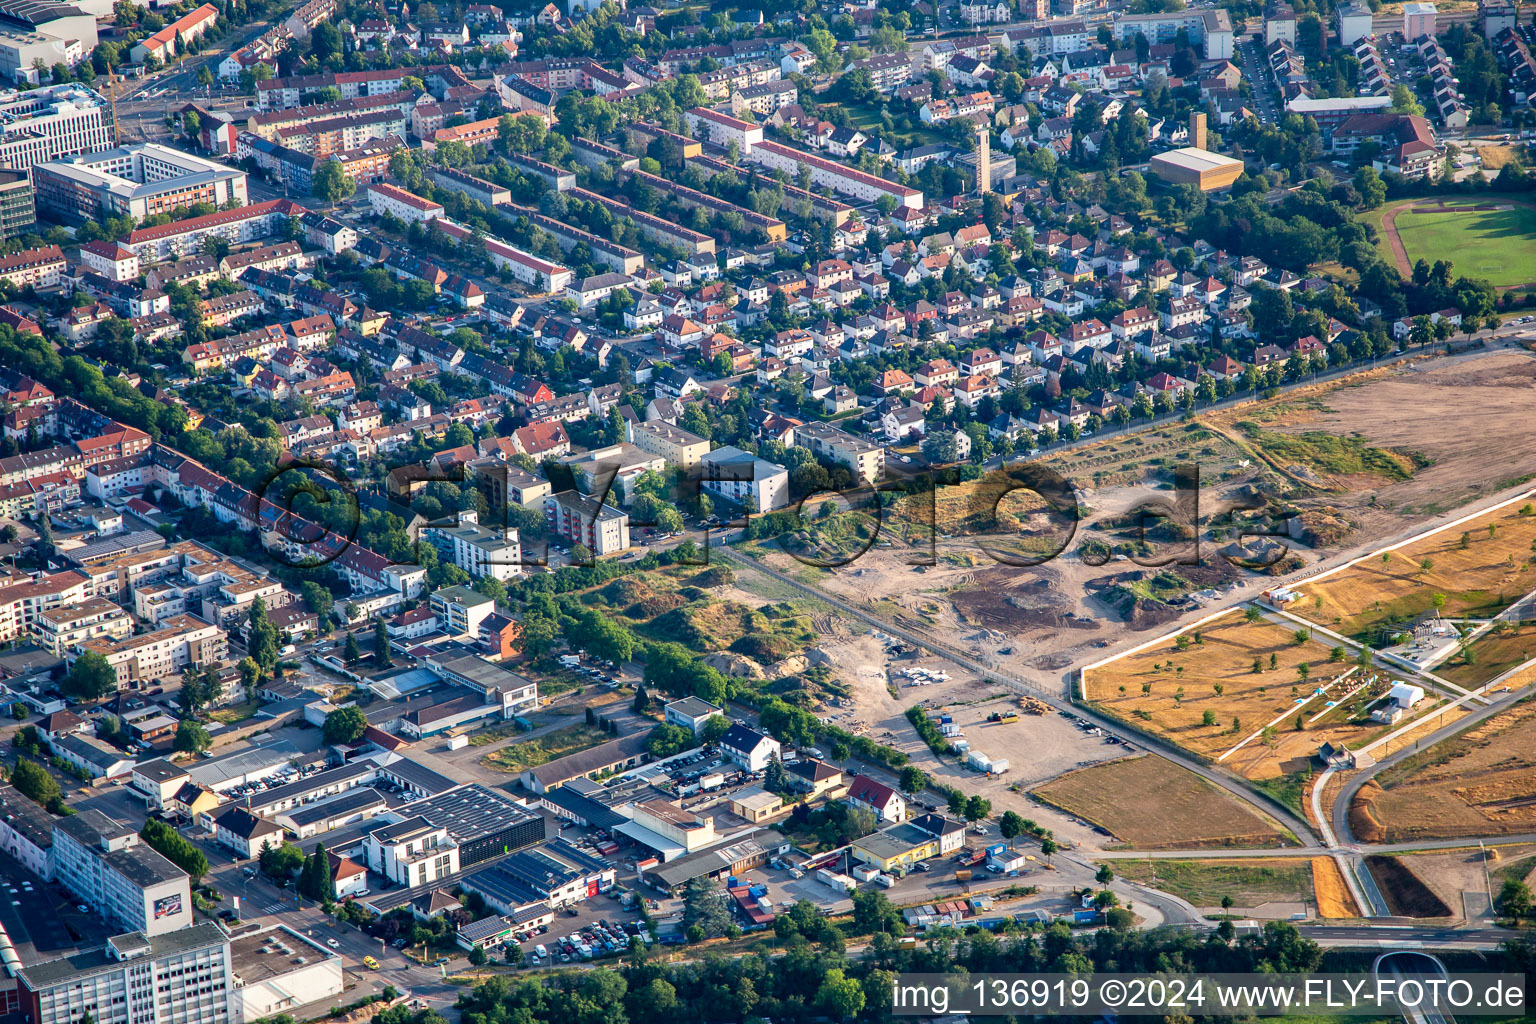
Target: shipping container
(863,872)
(458,742)
(712,781)
(999,766)
(963,875)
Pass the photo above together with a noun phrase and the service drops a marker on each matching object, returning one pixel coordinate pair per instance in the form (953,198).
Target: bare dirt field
(1405,892)
(1168,688)
(1151,803)
(1461,878)
(1479,783)
(1464,465)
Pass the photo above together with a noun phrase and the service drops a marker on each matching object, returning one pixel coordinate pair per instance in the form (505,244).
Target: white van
(541,951)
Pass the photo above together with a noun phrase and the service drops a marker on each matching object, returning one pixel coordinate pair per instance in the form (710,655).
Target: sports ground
(1492,238)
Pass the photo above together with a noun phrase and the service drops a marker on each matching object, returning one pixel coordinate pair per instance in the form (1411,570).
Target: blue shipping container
(1085,916)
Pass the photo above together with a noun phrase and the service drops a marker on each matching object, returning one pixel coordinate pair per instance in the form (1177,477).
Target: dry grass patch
(1151,803)
(1481,782)
(1493,654)
(1168,689)
(1478,572)
(1330,891)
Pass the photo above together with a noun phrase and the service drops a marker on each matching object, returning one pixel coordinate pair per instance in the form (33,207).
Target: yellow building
(1201,168)
(679,447)
(900,846)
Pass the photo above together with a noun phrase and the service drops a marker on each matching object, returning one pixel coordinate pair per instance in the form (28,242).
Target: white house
(749,748)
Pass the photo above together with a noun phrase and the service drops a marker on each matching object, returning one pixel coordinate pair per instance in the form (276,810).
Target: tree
(176,848)
(280,862)
(1514,900)
(33,782)
(344,725)
(381,656)
(1011,824)
(1048,847)
(913,779)
(90,677)
(350,653)
(977,807)
(666,740)
(1104,875)
(704,907)
(478,956)
(315,877)
(774,779)
(262,636)
(839,996)
(1208,718)
(191,737)
(331,183)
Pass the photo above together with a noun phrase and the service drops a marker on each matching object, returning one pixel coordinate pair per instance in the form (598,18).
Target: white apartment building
(741,476)
(475,549)
(64,628)
(108,867)
(391,199)
(181,642)
(22,604)
(838,177)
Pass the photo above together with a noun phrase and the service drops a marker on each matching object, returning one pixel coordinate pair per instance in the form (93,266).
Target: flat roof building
(135,979)
(129,884)
(1201,168)
(136,181)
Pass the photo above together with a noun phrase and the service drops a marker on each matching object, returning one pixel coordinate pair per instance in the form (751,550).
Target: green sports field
(1499,245)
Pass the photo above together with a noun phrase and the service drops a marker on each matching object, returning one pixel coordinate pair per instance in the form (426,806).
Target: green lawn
(1499,245)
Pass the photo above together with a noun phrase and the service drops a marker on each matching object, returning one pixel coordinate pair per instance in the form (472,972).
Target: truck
(711,782)
(570,660)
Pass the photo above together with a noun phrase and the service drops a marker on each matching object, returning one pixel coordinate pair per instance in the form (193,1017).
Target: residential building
(108,867)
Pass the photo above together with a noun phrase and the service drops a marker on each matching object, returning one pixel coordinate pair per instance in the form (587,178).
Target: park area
(1490,238)
(1241,693)
(1481,782)
(1478,568)
(1148,802)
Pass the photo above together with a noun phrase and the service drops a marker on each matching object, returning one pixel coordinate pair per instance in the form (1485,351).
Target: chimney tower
(983,160)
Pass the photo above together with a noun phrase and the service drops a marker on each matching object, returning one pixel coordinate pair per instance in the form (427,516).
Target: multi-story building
(136,181)
(602,529)
(18,213)
(742,478)
(683,449)
(1210,28)
(107,866)
(839,177)
(189,237)
(461,610)
(23,604)
(407,206)
(181,642)
(865,458)
(475,549)
(66,627)
(181,977)
(412,852)
(48,123)
(39,268)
